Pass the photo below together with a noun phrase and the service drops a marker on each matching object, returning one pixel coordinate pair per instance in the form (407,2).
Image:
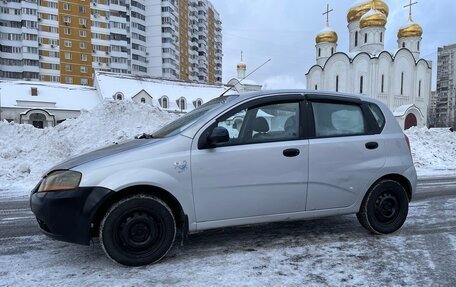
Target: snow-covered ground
(333,251)
(26,153)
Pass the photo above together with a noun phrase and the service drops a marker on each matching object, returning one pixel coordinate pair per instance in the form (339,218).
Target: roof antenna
(245,77)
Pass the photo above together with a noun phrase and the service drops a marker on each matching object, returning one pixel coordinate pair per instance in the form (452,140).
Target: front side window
(267,123)
(336,119)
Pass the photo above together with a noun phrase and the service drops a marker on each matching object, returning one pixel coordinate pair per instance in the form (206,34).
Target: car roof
(248,95)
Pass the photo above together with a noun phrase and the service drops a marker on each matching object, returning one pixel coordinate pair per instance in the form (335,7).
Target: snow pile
(26,152)
(433,148)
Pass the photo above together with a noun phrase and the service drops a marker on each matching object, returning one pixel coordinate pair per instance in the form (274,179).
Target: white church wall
(361,69)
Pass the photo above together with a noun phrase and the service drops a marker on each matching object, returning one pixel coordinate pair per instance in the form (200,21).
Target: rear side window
(337,119)
(378,115)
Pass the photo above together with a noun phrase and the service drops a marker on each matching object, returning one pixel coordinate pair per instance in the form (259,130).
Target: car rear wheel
(138,230)
(384,208)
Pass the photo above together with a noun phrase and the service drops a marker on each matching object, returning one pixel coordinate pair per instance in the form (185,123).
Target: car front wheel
(138,230)
(384,208)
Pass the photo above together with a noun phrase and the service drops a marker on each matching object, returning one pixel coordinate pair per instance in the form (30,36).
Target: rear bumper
(67,215)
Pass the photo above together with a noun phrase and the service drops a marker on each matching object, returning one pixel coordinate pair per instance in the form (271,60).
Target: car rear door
(262,171)
(345,154)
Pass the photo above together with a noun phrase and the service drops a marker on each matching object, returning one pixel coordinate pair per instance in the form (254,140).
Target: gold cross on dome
(410,8)
(327,14)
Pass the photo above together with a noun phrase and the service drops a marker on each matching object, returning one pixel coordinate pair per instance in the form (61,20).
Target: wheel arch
(402,180)
(175,206)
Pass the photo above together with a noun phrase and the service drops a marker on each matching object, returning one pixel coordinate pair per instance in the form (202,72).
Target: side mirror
(218,135)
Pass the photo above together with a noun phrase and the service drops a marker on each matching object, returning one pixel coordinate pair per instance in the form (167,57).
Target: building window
(182,104)
(84,69)
(68,68)
(356,39)
(402,83)
(83,58)
(118,97)
(383,83)
(82,9)
(84,81)
(83,45)
(67,43)
(67,31)
(198,103)
(82,33)
(164,102)
(361,85)
(143,100)
(66,6)
(68,56)
(381,37)
(69,80)
(337,83)
(419,88)
(365,38)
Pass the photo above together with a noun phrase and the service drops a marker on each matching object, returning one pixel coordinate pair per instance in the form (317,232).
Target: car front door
(261,171)
(344,154)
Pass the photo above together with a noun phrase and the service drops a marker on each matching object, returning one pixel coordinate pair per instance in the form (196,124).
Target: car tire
(384,208)
(138,230)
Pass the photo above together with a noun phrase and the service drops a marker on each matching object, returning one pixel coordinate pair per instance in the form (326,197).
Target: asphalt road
(429,234)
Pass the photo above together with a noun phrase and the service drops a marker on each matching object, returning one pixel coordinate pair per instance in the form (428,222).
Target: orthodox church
(399,78)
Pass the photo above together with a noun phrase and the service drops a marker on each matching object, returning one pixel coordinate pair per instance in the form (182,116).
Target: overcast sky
(285,30)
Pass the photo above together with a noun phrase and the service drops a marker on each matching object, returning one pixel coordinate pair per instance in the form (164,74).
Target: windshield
(187,120)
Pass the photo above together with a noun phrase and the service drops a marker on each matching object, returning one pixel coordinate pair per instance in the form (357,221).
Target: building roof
(51,96)
(109,84)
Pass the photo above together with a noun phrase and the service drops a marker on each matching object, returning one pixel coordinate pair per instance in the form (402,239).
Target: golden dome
(327,35)
(241,66)
(363,6)
(373,18)
(411,29)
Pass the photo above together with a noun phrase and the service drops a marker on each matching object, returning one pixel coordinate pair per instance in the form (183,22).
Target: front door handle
(292,152)
(372,145)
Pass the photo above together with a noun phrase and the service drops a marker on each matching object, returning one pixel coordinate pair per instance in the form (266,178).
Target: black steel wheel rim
(387,207)
(139,232)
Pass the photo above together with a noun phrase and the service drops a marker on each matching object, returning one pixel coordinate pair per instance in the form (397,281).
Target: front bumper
(67,215)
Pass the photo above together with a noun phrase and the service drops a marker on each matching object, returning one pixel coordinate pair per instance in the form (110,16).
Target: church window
(332,51)
(402,83)
(403,45)
(118,97)
(143,100)
(361,84)
(365,38)
(381,37)
(337,83)
(418,46)
(319,52)
(419,88)
(316,87)
(356,39)
(383,83)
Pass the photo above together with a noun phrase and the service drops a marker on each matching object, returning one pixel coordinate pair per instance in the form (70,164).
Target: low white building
(44,104)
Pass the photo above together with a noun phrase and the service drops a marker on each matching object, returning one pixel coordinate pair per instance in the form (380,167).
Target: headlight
(60,180)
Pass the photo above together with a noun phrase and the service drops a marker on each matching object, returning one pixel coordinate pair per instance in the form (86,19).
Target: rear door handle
(292,152)
(372,145)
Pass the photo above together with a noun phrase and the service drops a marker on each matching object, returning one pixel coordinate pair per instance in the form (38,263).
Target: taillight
(408,142)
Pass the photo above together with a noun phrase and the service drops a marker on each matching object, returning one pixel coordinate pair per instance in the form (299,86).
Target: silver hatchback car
(240,159)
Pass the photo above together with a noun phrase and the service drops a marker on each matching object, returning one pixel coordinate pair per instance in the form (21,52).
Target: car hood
(104,152)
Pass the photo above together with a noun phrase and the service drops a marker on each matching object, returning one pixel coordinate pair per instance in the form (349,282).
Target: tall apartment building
(68,40)
(446,86)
